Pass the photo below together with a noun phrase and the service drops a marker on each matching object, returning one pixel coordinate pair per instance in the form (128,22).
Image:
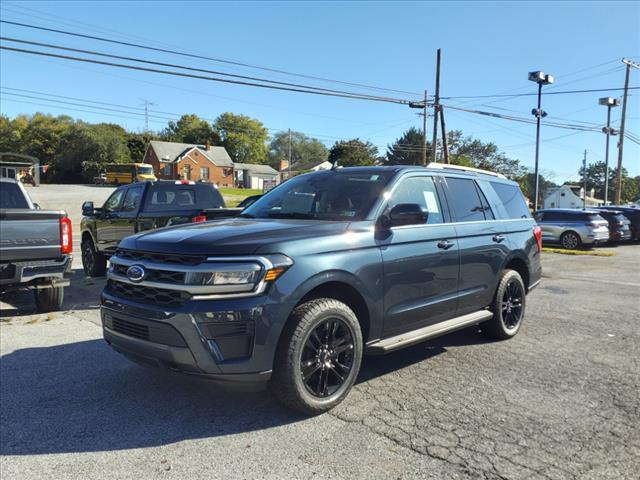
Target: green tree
(190,129)
(349,153)
(407,150)
(42,134)
(304,149)
(137,144)
(85,149)
(11,132)
(244,138)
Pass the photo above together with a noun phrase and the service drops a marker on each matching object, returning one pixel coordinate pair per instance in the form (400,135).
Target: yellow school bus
(119,173)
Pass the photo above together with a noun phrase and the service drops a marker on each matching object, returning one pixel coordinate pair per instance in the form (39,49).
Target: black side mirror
(87,209)
(405,214)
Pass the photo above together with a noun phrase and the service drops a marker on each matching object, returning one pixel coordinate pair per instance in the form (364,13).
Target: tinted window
(132,199)
(512,199)
(182,197)
(330,195)
(11,196)
(464,200)
(113,202)
(422,191)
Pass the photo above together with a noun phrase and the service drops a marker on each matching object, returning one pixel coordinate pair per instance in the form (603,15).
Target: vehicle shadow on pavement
(82,294)
(376,366)
(83,397)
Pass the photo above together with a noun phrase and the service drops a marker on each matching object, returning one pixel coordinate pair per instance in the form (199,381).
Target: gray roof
(255,168)
(173,151)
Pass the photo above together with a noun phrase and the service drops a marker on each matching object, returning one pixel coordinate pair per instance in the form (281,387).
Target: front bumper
(231,342)
(620,235)
(35,272)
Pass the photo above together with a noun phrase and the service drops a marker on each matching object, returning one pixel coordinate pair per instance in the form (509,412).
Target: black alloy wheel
(512,304)
(327,357)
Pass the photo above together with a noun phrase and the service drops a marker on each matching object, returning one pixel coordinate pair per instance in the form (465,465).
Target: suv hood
(234,236)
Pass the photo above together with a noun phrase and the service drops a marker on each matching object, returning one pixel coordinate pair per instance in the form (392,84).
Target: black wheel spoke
(326,358)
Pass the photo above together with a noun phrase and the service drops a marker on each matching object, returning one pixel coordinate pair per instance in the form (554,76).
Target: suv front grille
(148,295)
(161,257)
(162,276)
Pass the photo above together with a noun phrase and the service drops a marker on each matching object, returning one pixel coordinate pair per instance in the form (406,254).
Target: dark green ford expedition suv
(325,268)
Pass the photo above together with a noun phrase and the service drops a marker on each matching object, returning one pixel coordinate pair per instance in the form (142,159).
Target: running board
(431,331)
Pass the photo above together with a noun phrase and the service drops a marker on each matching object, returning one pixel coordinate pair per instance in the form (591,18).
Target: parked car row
(573,228)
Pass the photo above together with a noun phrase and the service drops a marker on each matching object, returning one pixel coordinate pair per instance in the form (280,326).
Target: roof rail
(445,166)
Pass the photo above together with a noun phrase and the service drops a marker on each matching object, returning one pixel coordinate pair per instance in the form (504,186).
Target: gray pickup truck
(35,247)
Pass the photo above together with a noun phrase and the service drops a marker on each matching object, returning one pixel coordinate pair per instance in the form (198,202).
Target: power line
(202,77)
(202,57)
(591,90)
(172,65)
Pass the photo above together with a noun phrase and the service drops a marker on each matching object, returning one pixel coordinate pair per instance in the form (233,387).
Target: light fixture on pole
(541,79)
(608,102)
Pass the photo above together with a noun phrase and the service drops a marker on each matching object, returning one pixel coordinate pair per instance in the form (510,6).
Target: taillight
(185,182)
(199,218)
(537,233)
(66,240)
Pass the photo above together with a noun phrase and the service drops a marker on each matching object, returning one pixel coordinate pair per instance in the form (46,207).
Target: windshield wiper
(292,215)
(246,215)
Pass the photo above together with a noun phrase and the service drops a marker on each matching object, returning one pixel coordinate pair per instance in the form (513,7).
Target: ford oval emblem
(136,273)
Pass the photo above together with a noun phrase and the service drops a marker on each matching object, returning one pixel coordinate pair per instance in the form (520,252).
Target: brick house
(176,161)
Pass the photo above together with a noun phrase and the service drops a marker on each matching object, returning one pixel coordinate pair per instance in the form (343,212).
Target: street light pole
(609,102)
(541,79)
(536,174)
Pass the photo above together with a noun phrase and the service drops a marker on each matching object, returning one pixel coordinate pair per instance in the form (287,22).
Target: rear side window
(179,197)
(11,196)
(512,199)
(132,199)
(464,198)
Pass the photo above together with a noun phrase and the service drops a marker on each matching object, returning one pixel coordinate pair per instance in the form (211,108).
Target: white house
(261,177)
(569,196)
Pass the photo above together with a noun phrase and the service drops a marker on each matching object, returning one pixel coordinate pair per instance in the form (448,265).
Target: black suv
(326,267)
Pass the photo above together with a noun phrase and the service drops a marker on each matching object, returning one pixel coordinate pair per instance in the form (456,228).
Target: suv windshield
(330,195)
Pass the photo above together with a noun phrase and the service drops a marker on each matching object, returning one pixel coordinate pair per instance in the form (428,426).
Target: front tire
(570,240)
(49,299)
(508,307)
(318,357)
(94,263)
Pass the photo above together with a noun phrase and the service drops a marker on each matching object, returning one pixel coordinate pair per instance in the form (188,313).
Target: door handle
(498,238)
(445,244)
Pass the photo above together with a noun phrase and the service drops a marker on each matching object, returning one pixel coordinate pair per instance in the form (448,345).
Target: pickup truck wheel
(318,357)
(94,263)
(508,307)
(49,299)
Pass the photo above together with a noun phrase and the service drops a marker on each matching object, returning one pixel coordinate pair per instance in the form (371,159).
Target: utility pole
(629,64)
(584,181)
(424,131)
(147,104)
(436,109)
(289,156)
(445,146)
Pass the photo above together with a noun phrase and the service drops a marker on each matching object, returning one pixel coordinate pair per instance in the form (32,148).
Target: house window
(204,173)
(167,170)
(186,172)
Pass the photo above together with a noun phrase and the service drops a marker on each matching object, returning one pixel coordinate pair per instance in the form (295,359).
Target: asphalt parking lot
(559,401)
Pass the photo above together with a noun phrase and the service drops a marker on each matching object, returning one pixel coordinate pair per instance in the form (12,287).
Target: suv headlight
(225,276)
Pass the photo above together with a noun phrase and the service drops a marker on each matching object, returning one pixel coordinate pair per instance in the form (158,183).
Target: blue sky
(488,48)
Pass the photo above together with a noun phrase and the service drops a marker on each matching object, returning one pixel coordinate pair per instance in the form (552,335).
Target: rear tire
(508,307)
(318,357)
(49,299)
(94,263)
(570,241)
